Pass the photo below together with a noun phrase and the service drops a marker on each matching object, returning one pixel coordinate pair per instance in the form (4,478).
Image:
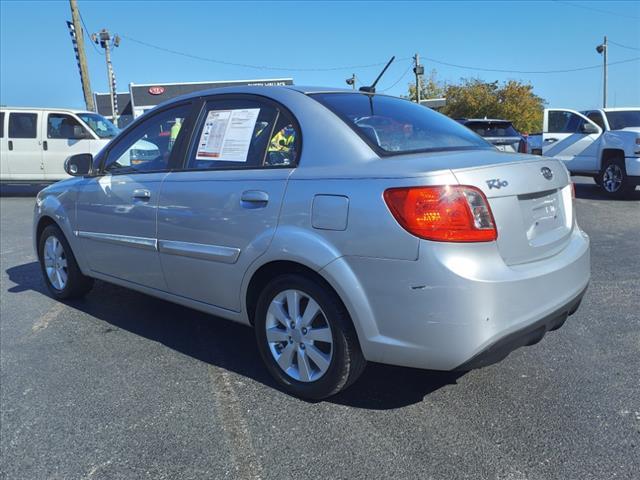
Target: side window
(243,134)
(1,124)
(23,125)
(148,146)
(596,118)
(62,126)
(563,122)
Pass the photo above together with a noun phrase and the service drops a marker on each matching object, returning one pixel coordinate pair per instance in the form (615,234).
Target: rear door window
(1,124)
(244,133)
(23,125)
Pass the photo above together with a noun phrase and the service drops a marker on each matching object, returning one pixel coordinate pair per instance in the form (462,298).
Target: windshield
(623,119)
(393,126)
(100,125)
(492,129)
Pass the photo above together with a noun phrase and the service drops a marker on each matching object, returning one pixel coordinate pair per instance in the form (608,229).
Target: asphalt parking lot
(121,385)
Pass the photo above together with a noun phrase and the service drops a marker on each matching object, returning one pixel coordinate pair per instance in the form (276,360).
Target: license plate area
(543,217)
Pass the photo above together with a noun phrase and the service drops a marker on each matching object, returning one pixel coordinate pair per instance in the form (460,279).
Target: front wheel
(306,338)
(59,267)
(613,179)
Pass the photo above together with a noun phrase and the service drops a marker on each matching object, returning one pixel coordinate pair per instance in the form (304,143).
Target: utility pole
(352,81)
(106,41)
(419,71)
(75,28)
(603,50)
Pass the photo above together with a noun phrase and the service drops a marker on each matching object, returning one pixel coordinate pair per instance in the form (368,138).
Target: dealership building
(143,97)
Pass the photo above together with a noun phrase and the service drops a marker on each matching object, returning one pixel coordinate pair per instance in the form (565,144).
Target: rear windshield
(493,129)
(394,126)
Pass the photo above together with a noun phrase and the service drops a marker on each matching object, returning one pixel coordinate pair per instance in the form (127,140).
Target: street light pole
(603,50)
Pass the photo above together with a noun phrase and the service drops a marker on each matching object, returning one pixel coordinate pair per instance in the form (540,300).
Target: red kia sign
(156,90)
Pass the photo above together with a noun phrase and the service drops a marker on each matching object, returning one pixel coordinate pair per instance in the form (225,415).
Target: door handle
(550,140)
(254,199)
(141,194)
(10,145)
(45,146)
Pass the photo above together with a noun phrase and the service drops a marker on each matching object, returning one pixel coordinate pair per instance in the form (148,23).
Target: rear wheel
(306,338)
(59,267)
(613,178)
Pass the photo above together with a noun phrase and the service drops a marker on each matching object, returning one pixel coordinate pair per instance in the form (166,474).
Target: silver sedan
(344,226)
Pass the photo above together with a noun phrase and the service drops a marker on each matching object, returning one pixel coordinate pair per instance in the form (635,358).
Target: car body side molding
(202,251)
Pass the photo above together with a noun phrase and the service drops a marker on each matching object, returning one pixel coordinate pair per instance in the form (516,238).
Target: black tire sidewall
(337,375)
(74,276)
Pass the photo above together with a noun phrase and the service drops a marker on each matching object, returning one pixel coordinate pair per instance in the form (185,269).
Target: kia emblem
(546,173)
(156,90)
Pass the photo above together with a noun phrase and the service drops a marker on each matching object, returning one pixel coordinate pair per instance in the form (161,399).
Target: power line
(248,65)
(371,65)
(599,10)
(567,70)
(623,46)
(86,31)
(399,79)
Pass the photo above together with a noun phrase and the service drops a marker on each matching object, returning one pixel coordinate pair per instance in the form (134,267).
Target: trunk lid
(505,144)
(532,205)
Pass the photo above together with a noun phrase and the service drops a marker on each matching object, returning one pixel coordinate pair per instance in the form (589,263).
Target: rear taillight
(450,213)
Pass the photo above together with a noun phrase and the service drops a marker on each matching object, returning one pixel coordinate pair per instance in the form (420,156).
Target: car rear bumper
(529,335)
(458,305)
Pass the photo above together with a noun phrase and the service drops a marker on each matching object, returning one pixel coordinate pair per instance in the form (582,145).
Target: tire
(613,178)
(58,256)
(319,362)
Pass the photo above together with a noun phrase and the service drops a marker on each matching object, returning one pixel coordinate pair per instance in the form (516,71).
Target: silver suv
(344,226)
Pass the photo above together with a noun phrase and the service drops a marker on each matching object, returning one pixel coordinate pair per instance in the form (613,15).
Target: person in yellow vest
(283,140)
(175,130)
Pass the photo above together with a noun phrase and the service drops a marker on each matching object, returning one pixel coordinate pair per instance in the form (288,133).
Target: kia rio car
(340,240)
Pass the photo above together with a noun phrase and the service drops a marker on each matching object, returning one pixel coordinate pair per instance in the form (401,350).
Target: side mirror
(79,165)
(79,133)
(589,128)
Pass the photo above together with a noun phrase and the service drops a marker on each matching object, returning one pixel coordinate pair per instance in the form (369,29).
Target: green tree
(513,100)
(429,88)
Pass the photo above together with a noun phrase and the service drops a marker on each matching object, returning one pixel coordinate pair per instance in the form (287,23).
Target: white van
(35,142)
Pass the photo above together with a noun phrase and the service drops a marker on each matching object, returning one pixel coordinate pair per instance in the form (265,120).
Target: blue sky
(37,64)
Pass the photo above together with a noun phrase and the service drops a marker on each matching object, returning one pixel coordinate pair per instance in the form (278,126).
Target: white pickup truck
(603,144)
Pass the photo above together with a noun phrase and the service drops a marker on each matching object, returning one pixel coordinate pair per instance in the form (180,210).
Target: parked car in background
(342,238)
(500,133)
(35,142)
(601,143)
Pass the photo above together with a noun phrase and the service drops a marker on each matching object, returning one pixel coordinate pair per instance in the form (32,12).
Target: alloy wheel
(612,178)
(299,336)
(55,263)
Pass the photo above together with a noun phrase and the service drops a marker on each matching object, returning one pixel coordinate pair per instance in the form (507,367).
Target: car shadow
(15,190)
(591,191)
(218,341)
